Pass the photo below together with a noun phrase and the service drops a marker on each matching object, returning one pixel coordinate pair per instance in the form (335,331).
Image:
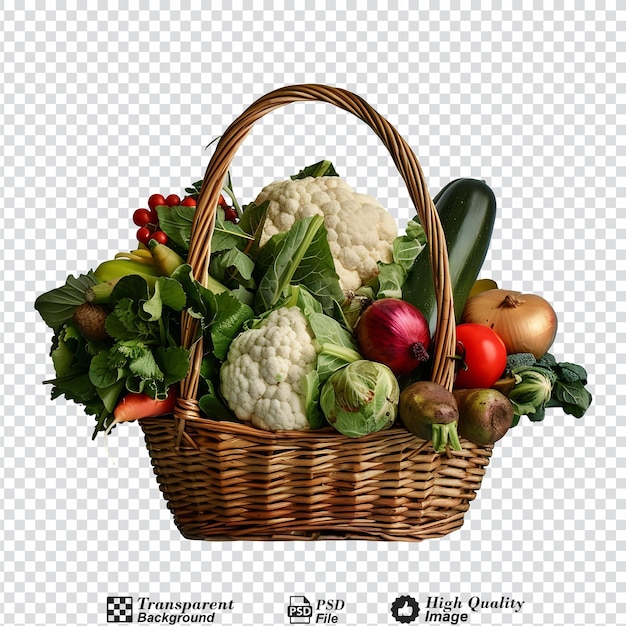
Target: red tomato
(143,235)
(172,200)
(155,200)
(159,236)
(188,201)
(141,217)
(483,356)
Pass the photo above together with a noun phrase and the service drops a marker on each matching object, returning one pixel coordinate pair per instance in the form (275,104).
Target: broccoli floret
(547,360)
(519,359)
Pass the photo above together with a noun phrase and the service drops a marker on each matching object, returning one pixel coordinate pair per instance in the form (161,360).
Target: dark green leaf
(133,287)
(573,397)
(570,372)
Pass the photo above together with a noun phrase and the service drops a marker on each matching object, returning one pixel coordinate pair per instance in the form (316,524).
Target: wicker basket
(225,480)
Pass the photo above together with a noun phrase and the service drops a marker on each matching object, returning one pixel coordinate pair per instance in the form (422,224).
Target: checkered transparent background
(100,108)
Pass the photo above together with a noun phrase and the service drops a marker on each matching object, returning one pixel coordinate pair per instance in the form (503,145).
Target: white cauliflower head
(360,230)
(263,377)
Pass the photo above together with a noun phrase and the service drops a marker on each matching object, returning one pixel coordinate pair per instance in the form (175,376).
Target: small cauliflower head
(360,230)
(263,377)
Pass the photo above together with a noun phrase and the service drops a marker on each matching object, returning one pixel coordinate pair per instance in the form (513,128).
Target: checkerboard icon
(119,609)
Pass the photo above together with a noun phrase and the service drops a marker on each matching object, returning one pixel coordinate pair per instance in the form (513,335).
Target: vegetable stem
(444,434)
(231,194)
(345,354)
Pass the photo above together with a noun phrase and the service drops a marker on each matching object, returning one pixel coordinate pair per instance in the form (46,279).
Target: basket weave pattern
(226,480)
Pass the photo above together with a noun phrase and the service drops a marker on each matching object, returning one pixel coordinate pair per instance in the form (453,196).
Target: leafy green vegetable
(532,391)
(567,386)
(361,398)
(57,306)
(143,354)
(406,248)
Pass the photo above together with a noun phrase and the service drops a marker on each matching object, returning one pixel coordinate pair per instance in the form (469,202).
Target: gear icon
(405,609)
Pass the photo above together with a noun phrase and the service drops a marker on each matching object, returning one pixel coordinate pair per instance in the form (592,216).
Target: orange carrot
(134,406)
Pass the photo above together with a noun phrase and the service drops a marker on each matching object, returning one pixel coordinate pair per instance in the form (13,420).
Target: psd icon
(299,610)
(119,610)
(405,609)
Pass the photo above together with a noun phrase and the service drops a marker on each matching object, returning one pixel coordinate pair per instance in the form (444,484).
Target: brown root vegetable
(90,320)
(430,412)
(485,415)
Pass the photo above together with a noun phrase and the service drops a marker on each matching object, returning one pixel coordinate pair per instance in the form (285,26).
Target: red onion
(395,333)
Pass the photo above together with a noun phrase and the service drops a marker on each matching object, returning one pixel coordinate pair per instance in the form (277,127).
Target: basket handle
(444,341)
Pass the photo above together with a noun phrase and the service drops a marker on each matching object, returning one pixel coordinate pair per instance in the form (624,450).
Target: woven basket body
(225,480)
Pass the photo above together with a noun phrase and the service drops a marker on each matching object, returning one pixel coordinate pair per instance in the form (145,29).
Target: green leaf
(233,266)
(132,287)
(145,366)
(337,347)
(300,256)
(173,362)
(65,346)
(167,292)
(405,250)
(196,303)
(176,223)
(571,372)
(252,222)
(214,408)
(57,306)
(101,373)
(75,386)
(110,395)
(228,317)
(311,392)
(322,168)
(210,401)
(573,397)
(391,277)
(124,323)
(227,235)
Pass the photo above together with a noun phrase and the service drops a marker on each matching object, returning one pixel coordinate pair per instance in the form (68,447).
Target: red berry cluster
(148,219)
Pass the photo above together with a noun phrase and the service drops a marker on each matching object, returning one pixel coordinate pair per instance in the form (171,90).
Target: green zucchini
(467,211)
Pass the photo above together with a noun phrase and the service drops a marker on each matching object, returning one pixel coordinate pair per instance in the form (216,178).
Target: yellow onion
(524,322)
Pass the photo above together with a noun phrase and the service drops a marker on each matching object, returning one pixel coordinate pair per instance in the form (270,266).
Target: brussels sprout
(361,398)
(532,391)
